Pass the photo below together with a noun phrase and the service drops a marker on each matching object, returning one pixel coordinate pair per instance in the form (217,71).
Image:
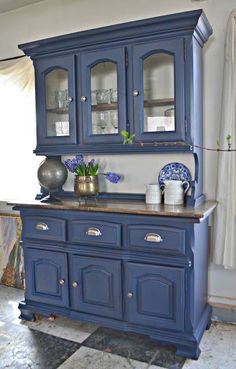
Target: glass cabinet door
(158,93)
(55,107)
(103,96)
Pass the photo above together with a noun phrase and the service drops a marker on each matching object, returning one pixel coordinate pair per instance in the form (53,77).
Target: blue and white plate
(174,171)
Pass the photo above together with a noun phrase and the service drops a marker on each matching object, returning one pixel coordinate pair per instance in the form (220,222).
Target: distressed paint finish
(157,291)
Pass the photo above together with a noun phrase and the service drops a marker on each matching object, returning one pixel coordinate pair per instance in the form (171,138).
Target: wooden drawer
(44,228)
(154,237)
(92,232)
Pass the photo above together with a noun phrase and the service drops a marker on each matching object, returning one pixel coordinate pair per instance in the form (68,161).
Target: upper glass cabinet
(158,91)
(103,96)
(57,103)
(56,107)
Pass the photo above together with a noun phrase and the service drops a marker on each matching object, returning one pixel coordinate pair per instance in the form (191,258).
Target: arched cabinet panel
(96,286)
(155,295)
(55,101)
(47,276)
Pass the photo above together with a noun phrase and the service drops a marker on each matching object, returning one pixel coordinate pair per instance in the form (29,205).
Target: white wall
(55,17)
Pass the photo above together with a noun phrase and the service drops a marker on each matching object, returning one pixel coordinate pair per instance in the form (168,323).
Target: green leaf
(125,134)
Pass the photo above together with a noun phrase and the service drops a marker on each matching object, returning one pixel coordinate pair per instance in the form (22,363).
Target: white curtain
(224,252)
(18,164)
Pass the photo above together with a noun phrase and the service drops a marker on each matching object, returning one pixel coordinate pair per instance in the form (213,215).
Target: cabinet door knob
(83,98)
(70,99)
(94,232)
(75,284)
(135,93)
(130,295)
(42,227)
(153,237)
(62,281)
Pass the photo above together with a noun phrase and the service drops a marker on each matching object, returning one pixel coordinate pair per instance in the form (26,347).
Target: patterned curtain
(11,255)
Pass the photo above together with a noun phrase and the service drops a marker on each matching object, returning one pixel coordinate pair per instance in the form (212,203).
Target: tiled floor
(66,344)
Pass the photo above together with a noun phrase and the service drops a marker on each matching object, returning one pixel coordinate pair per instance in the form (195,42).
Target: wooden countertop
(128,207)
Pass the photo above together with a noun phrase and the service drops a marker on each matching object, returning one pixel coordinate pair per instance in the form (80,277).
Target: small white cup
(153,194)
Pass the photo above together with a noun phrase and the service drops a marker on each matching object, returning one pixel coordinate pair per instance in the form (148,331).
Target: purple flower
(79,160)
(113,177)
(91,162)
(71,164)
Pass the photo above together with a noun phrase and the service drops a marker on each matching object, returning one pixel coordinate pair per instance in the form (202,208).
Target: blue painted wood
(163,26)
(175,48)
(153,238)
(42,68)
(93,232)
(138,148)
(44,228)
(155,295)
(45,271)
(88,61)
(99,286)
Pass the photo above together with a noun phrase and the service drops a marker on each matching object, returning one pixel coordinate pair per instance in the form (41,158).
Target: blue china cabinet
(121,265)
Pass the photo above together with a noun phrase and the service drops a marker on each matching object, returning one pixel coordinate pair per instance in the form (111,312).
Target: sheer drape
(18,164)
(224,252)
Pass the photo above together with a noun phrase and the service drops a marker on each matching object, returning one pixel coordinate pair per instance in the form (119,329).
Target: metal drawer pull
(75,284)
(130,295)
(62,281)
(42,227)
(153,237)
(94,232)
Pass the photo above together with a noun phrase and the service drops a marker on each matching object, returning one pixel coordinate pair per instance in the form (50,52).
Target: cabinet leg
(188,352)
(209,324)
(26,314)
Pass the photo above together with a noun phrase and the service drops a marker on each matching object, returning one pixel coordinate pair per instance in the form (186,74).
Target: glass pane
(104,98)
(158,84)
(56,83)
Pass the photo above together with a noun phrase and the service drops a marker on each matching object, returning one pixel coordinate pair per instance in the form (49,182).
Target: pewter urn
(52,174)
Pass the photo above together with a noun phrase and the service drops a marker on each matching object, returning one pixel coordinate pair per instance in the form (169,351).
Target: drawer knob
(135,93)
(153,237)
(83,98)
(95,232)
(130,295)
(62,281)
(42,227)
(75,284)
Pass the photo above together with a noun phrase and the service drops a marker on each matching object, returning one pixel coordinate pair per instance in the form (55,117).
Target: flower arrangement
(78,166)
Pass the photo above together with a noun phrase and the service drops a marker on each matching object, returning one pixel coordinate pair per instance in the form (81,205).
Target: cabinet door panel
(158,91)
(103,99)
(55,99)
(46,277)
(155,295)
(96,286)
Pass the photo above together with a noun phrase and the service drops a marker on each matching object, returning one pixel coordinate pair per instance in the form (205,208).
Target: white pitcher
(174,192)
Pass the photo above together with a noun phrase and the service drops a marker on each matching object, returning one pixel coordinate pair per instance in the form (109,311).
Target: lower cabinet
(46,276)
(155,295)
(96,286)
(135,273)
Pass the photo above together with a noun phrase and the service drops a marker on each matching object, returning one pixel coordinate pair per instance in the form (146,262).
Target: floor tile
(65,328)
(23,348)
(134,346)
(9,300)
(218,347)
(87,358)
